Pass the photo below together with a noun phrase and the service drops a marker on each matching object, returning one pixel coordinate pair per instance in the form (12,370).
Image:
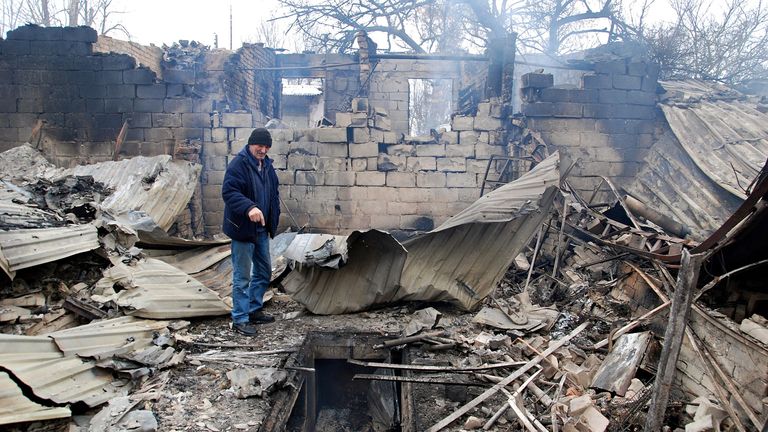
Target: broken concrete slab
(423,319)
(620,365)
(247,382)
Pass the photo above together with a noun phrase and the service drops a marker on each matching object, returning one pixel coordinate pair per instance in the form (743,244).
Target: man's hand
(256,216)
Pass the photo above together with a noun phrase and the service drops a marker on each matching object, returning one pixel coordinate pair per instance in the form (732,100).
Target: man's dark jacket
(244,188)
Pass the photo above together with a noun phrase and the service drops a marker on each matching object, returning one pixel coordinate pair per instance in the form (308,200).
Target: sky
(161,22)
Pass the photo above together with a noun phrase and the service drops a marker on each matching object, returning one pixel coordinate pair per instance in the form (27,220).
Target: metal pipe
(670,225)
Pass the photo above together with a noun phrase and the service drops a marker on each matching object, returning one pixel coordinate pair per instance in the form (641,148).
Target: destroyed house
(470,242)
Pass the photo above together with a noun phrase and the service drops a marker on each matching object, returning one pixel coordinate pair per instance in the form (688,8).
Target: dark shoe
(260,317)
(247,329)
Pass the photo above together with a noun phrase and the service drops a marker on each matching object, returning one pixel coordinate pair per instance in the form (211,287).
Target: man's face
(258,151)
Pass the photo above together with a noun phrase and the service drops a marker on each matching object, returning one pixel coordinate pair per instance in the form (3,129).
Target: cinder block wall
(357,177)
(608,122)
(149,56)
(388,86)
(247,84)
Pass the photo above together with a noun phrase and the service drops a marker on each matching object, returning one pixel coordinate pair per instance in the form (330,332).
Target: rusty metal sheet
(154,289)
(158,186)
(461,261)
(27,248)
(698,174)
(102,339)
(36,361)
(15,407)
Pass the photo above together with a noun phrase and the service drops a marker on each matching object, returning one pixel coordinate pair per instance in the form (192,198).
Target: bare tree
(98,14)
(729,44)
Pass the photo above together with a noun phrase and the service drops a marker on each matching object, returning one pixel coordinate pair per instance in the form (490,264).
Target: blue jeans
(252,270)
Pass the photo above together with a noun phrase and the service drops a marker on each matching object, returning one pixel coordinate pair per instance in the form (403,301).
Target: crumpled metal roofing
(15,407)
(26,248)
(102,339)
(461,261)
(158,186)
(36,361)
(154,289)
(192,260)
(720,144)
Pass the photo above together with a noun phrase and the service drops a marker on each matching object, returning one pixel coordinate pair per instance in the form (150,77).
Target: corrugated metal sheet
(154,289)
(369,277)
(158,186)
(36,361)
(461,261)
(102,339)
(698,176)
(192,260)
(14,215)
(26,248)
(15,408)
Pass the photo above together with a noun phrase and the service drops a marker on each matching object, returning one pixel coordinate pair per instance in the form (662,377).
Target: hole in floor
(326,397)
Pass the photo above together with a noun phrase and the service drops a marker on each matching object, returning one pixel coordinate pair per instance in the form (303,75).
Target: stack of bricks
(608,123)
(359,176)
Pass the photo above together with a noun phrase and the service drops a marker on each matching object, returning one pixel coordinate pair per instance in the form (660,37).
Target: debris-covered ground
(112,333)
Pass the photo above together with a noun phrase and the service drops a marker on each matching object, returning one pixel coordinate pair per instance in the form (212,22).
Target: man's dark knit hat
(260,136)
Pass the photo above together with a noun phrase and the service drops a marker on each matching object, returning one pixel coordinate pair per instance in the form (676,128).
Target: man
(251,214)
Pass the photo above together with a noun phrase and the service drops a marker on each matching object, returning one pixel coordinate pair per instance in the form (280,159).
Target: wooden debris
(620,365)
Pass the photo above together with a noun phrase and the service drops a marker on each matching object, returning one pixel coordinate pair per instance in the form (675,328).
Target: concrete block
(598,111)
(360,105)
(444,196)
(400,208)
(216,149)
(468,138)
(553,94)
(285,177)
(589,81)
(237,120)
(627,82)
(332,135)
(174,76)
(370,149)
(311,178)
(401,179)
(138,120)
(401,150)
(361,135)
(461,180)
(636,68)
(449,137)
(148,105)
(387,163)
(372,207)
(538,109)
(158,134)
(430,179)
(219,134)
(117,62)
(151,91)
(611,67)
(382,122)
(638,112)
(359,164)
(454,164)
(649,84)
(421,163)
(332,149)
(385,222)
(388,137)
(121,91)
(79,34)
(370,178)
(333,164)
(460,150)
(141,75)
(186,133)
(484,151)
(487,123)
(92,91)
(567,109)
(608,96)
(537,80)
(592,139)
(340,178)
(636,97)
(430,150)
(302,162)
(195,120)
(108,78)
(462,123)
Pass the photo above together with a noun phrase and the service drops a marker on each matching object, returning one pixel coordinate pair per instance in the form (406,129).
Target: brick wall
(249,88)
(608,122)
(149,56)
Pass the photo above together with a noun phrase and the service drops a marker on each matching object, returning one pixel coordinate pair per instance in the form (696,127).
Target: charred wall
(607,123)
(147,56)
(250,82)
